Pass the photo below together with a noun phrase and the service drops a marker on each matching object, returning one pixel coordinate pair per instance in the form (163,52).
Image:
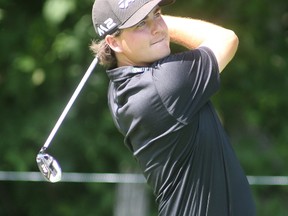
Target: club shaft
(70,103)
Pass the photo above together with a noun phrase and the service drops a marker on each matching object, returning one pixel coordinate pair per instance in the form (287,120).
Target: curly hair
(105,54)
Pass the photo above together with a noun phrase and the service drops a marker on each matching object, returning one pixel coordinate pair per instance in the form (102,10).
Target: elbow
(233,40)
(229,47)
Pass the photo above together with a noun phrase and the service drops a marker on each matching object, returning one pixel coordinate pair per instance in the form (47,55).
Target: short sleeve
(186,81)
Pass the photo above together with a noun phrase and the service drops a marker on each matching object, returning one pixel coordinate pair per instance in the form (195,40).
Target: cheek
(134,43)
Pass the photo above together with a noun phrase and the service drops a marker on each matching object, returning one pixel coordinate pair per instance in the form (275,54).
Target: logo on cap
(108,25)
(123,4)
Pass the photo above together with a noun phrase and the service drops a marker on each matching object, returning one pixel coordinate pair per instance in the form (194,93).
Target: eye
(141,24)
(158,13)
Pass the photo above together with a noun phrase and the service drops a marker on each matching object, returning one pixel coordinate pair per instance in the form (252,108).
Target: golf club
(48,166)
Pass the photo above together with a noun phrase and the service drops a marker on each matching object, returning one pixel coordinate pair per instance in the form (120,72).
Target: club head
(49,167)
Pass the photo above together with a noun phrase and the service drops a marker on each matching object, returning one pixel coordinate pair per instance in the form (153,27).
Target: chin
(161,51)
(164,53)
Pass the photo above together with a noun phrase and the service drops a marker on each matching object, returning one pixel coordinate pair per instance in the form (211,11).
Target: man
(161,103)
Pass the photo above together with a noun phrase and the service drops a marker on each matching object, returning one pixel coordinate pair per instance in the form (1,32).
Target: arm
(192,33)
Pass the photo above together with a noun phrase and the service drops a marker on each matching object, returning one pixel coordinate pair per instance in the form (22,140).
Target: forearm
(192,33)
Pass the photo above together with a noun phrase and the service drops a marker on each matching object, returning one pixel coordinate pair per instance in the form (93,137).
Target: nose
(156,26)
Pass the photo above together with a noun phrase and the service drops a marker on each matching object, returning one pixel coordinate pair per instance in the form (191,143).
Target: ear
(114,43)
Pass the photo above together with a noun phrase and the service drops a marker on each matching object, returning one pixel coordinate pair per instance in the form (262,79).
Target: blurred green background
(43,55)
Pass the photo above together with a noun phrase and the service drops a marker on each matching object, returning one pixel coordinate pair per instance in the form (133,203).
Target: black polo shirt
(169,124)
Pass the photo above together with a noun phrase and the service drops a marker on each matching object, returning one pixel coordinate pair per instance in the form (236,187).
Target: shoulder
(199,56)
(201,59)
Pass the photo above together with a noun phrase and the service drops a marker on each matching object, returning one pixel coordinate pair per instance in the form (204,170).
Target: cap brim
(143,12)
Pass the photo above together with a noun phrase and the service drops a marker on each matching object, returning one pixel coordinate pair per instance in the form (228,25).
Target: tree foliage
(43,54)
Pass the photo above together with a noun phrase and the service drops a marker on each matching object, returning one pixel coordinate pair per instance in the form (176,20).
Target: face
(144,43)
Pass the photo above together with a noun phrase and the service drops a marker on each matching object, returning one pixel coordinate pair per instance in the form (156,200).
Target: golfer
(161,103)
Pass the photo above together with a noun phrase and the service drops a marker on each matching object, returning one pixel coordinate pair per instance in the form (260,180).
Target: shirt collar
(123,73)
